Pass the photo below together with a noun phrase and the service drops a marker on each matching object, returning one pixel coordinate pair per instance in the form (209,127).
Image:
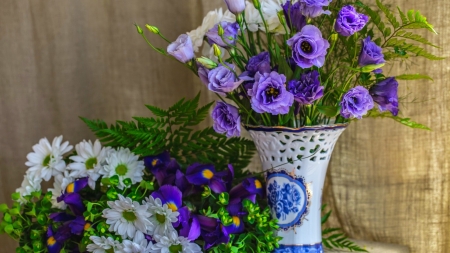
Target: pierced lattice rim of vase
(290,129)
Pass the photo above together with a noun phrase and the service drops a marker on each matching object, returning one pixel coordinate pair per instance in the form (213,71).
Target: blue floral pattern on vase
(317,248)
(284,198)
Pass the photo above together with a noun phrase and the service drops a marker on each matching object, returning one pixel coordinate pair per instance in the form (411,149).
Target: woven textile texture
(64,59)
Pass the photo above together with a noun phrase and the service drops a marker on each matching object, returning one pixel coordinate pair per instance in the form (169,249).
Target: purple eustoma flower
(314,8)
(212,231)
(259,63)
(356,102)
(205,174)
(203,74)
(385,95)
(307,89)
(182,48)
(235,6)
(371,53)
(163,167)
(293,14)
(226,119)
(230,34)
(189,223)
(72,198)
(222,79)
(308,47)
(349,21)
(269,94)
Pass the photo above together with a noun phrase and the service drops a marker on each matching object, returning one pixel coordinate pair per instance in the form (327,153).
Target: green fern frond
(417,21)
(407,47)
(415,37)
(405,121)
(413,77)
(390,16)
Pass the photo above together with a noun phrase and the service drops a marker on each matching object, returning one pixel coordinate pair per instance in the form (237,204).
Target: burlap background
(64,59)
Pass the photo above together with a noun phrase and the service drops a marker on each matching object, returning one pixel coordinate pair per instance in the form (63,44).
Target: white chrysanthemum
(126,217)
(174,243)
(89,160)
(124,164)
(197,35)
(59,186)
(47,160)
(161,218)
(270,8)
(138,245)
(102,245)
(30,183)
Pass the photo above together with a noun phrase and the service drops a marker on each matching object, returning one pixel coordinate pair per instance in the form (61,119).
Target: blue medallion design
(316,248)
(287,198)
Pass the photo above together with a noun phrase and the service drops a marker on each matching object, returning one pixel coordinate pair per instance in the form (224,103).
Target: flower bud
(257,4)
(207,63)
(235,6)
(220,30)
(217,51)
(139,29)
(334,37)
(370,68)
(282,18)
(152,29)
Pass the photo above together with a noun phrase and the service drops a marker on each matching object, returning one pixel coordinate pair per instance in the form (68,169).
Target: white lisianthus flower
(47,160)
(59,186)
(88,161)
(30,183)
(174,243)
(124,164)
(102,245)
(161,218)
(126,217)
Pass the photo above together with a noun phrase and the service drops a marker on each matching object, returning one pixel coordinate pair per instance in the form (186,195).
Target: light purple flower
(293,14)
(222,79)
(356,102)
(235,6)
(226,119)
(314,8)
(385,94)
(371,53)
(202,72)
(307,89)
(258,63)
(269,94)
(349,21)
(230,34)
(308,47)
(182,48)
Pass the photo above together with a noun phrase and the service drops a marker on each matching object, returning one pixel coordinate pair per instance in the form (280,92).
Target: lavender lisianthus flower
(314,8)
(226,119)
(293,14)
(235,6)
(182,49)
(269,94)
(356,102)
(385,94)
(308,47)
(203,72)
(258,63)
(349,21)
(222,79)
(371,53)
(230,34)
(307,89)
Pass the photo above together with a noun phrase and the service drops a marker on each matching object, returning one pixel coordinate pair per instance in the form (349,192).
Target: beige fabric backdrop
(64,59)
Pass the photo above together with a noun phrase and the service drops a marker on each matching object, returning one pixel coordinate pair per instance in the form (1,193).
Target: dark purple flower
(236,227)
(203,74)
(356,102)
(314,8)
(222,79)
(182,48)
(190,226)
(378,71)
(248,189)
(307,89)
(371,53)
(349,21)
(212,231)
(72,198)
(308,47)
(230,34)
(235,6)
(259,63)
(169,195)
(293,14)
(226,119)
(205,174)
(53,245)
(385,95)
(269,94)
(163,167)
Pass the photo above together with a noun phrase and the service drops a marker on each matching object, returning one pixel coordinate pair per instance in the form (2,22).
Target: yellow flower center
(172,206)
(258,184)
(90,163)
(51,241)
(70,188)
(236,221)
(121,169)
(208,174)
(129,216)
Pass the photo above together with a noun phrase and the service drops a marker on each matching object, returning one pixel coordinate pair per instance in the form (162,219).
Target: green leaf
(325,217)
(285,69)
(3,208)
(405,121)
(415,37)
(157,111)
(329,111)
(7,218)
(9,228)
(403,16)
(413,77)
(390,16)
(417,21)
(401,44)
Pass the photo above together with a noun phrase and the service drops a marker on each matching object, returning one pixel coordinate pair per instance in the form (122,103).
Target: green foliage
(404,121)
(333,238)
(401,44)
(413,77)
(172,130)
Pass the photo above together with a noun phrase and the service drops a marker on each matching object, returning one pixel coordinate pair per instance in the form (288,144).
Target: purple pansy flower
(226,119)
(72,198)
(162,167)
(371,53)
(230,34)
(248,189)
(169,195)
(222,79)
(53,245)
(190,226)
(182,48)
(385,95)
(314,8)
(349,21)
(235,6)
(212,231)
(269,94)
(308,47)
(205,174)
(307,89)
(76,224)
(356,102)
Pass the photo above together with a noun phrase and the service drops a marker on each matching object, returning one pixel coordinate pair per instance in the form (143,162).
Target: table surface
(376,247)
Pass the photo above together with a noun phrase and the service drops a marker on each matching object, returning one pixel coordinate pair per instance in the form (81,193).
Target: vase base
(315,248)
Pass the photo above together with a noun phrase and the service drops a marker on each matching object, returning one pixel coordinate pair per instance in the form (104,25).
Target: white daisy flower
(47,160)
(197,35)
(126,217)
(59,186)
(161,218)
(173,243)
(102,245)
(124,164)
(138,245)
(30,184)
(270,8)
(88,161)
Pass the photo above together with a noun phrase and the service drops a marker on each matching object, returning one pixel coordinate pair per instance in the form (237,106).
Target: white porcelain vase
(295,162)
